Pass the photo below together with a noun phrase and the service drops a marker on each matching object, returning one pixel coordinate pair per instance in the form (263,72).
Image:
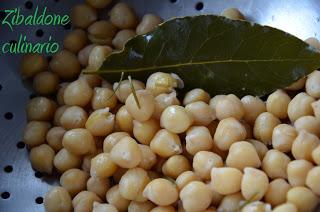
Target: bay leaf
(217,54)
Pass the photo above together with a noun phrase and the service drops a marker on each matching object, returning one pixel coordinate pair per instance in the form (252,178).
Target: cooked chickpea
(97,56)
(316,108)
(99,4)
(264,126)
(283,136)
(135,206)
(226,180)
(312,84)
(124,89)
(75,40)
(57,115)
(186,177)
(35,133)
(277,104)
(313,179)
(102,166)
(145,131)
(303,145)
(196,196)
(176,119)
(126,153)
(118,174)
(54,138)
(163,101)
(100,186)
(247,153)
(74,181)
(148,23)
(196,95)
(124,120)
(102,98)
(32,64)
(256,206)
(233,13)
(73,117)
(316,155)
(231,202)
(41,158)
(216,198)
(112,140)
(166,143)
(161,192)
(163,209)
(275,163)
(84,200)
(314,42)
(300,106)
(286,207)
(159,83)
(123,16)
(83,55)
(260,147)
(204,161)
(98,207)
(65,160)
(297,171)
(101,32)
(299,84)
(201,112)
(60,93)
(175,165)
(229,106)
(148,159)
(78,141)
(78,93)
(82,15)
(253,107)
(303,198)
(57,199)
(65,64)
(198,138)
(93,80)
(40,109)
(229,130)
(277,191)
(114,197)
(122,37)
(309,124)
(45,82)
(214,100)
(100,122)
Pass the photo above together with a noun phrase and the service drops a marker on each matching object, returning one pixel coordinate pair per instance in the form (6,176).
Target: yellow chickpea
(41,158)
(84,200)
(316,155)
(297,171)
(66,65)
(166,143)
(112,139)
(31,64)
(148,23)
(176,119)
(175,165)
(75,40)
(35,133)
(286,207)
(277,103)
(114,197)
(198,138)
(135,206)
(78,141)
(100,186)
(275,163)
(74,181)
(123,90)
(122,37)
(65,160)
(54,138)
(303,198)
(309,124)
(102,166)
(102,98)
(299,84)
(162,101)
(300,106)
(186,177)
(144,108)
(313,179)
(261,148)
(229,106)
(148,159)
(145,131)
(264,126)
(231,202)
(204,161)
(277,191)
(124,120)
(226,180)
(303,145)
(253,107)
(40,109)
(73,117)
(233,13)
(283,136)
(57,199)
(123,17)
(100,122)
(202,113)
(101,32)
(78,93)
(312,84)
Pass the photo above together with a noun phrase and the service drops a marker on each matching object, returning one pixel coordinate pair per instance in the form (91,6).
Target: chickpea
(32,64)
(78,93)
(148,23)
(202,113)
(126,153)
(145,131)
(122,37)
(60,93)
(54,138)
(74,181)
(248,130)
(66,65)
(82,15)
(123,16)
(175,165)
(45,82)
(286,207)
(40,109)
(312,84)
(275,163)
(277,103)
(41,158)
(231,202)
(283,136)
(303,145)
(124,120)
(260,147)
(114,197)
(264,126)
(159,83)
(35,133)
(84,200)
(256,206)
(93,80)
(277,191)
(163,209)
(98,207)
(229,106)
(135,206)
(212,127)
(100,186)
(300,106)
(229,130)
(233,13)
(98,4)
(78,141)
(163,101)
(161,192)
(124,89)
(166,143)
(297,171)
(214,100)
(309,124)
(65,160)
(186,177)
(316,108)
(102,98)
(303,198)
(75,40)
(196,95)
(313,179)
(102,166)
(316,155)
(97,56)
(57,199)
(297,85)
(247,153)
(196,196)
(83,55)
(176,119)
(73,117)
(314,42)
(132,184)
(148,159)
(253,107)
(198,138)
(226,180)
(100,122)
(101,32)
(112,139)
(204,161)
(58,113)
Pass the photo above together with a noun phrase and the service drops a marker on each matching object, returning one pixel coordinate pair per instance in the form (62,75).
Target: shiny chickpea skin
(79,20)
(135,206)
(75,40)
(226,180)
(58,113)
(229,106)
(73,117)
(100,122)
(314,42)
(303,145)
(264,126)
(114,197)
(161,192)
(78,93)
(176,119)
(204,161)
(112,140)
(148,159)
(98,207)
(145,131)
(124,89)
(57,199)
(79,141)
(198,138)
(257,178)
(256,206)
(233,13)
(277,191)
(316,109)
(261,148)
(45,82)
(65,160)
(231,202)
(35,133)
(283,136)
(93,80)
(186,177)
(124,120)
(303,198)
(102,98)
(312,84)
(196,196)
(253,107)
(300,106)
(122,37)
(196,95)
(175,165)
(229,130)
(83,55)
(41,158)
(98,4)
(316,155)
(40,109)
(309,124)
(74,181)
(100,186)
(275,163)
(86,162)
(277,104)
(159,83)
(247,153)
(101,32)
(97,56)
(32,64)
(214,100)
(313,179)
(123,16)
(201,112)
(299,84)
(66,65)
(286,207)
(60,93)
(163,209)
(102,166)
(148,23)
(54,138)
(84,200)
(163,101)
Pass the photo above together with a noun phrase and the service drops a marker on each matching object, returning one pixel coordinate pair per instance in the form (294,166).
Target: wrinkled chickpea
(123,16)
(66,65)
(148,23)
(75,40)
(82,15)
(32,64)
(41,158)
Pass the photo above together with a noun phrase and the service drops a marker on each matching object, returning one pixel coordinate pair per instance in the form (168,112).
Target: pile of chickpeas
(196,153)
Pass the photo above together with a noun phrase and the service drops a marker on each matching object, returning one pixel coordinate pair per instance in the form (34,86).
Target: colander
(21,188)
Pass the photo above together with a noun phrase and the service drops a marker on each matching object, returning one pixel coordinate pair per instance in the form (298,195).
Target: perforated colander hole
(31,96)
(21,145)
(173,1)
(12,41)
(39,33)
(39,200)
(2,15)
(0,87)
(8,169)
(38,174)
(8,116)
(28,5)
(67,26)
(5,195)
(199,6)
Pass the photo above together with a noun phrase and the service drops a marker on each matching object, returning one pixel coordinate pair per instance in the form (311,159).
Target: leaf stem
(134,92)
